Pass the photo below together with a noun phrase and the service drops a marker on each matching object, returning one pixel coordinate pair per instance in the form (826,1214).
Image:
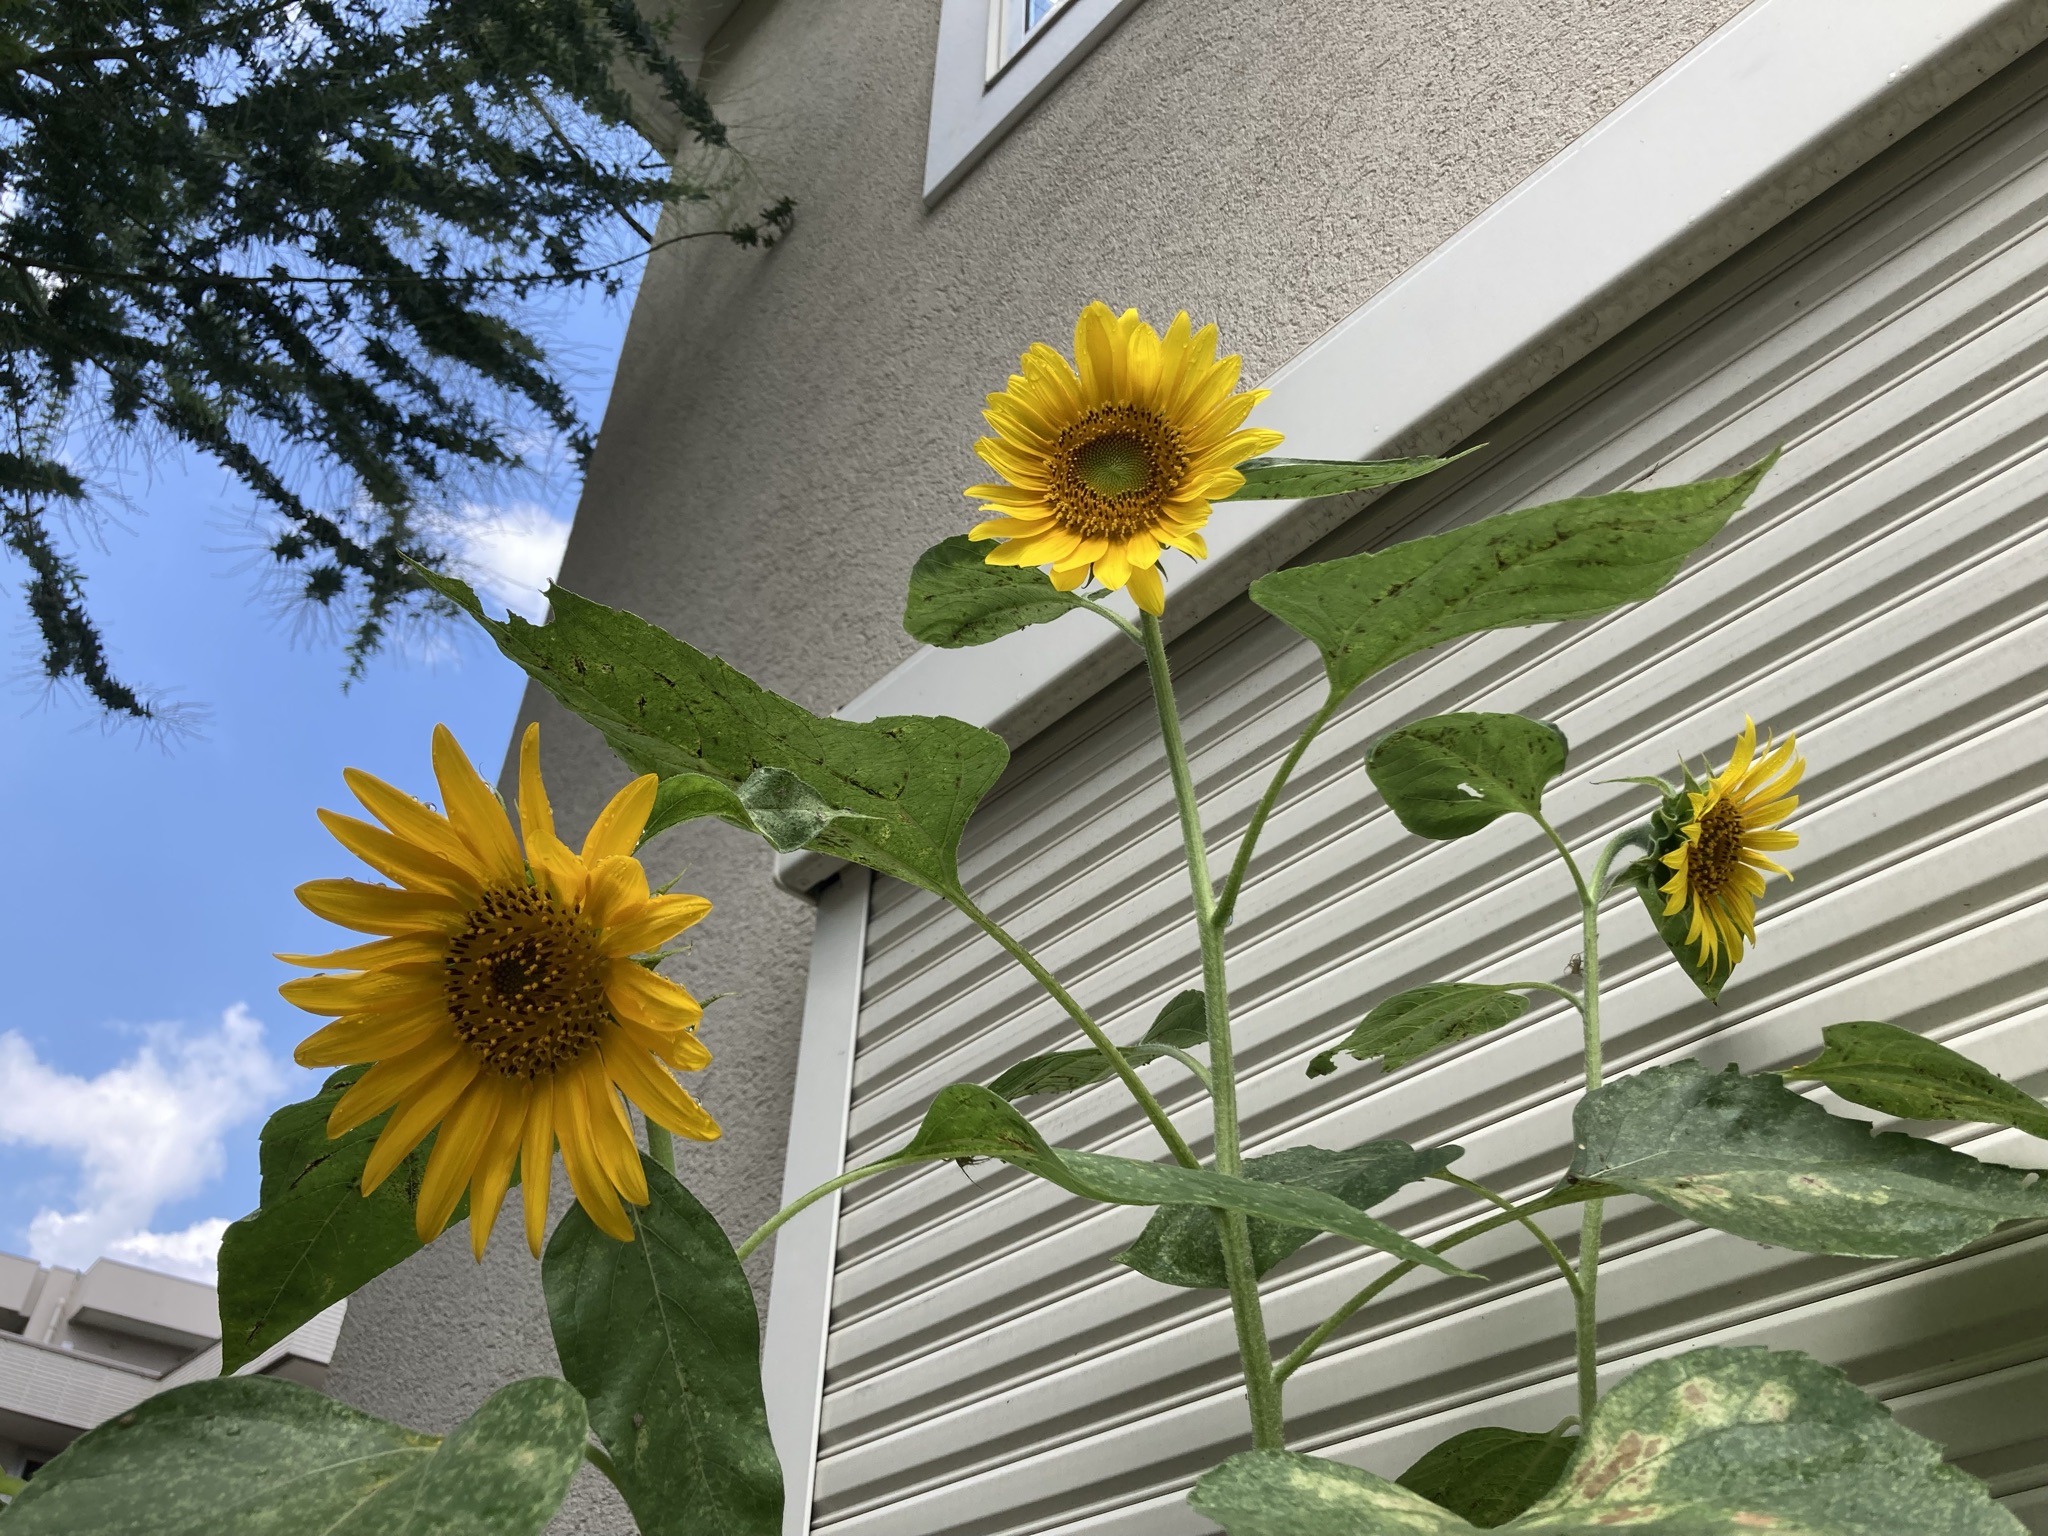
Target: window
(997,60)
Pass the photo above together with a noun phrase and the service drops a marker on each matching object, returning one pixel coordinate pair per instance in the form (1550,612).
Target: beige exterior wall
(789,430)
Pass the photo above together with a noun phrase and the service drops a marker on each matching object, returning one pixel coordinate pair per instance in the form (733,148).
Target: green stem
(1201,1072)
(1262,1389)
(661,1146)
(599,1458)
(1113,616)
(1546,986)
(1175,1142)
(1548,1243)
(1233,883)
(811,1197)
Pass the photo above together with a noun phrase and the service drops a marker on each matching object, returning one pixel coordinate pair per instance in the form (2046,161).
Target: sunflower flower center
(1113,470)
(1710,866)
(525,983)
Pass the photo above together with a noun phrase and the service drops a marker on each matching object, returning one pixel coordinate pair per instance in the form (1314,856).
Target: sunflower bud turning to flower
(1723,853)
(1116,458)
(502,1003)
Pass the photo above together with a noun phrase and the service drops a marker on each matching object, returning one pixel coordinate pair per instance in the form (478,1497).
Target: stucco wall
(789,430)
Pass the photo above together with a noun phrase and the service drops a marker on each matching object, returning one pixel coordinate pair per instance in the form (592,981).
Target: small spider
(1576,966)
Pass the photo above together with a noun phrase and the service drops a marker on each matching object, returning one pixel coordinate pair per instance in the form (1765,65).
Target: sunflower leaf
(1181,1246)
(1709,976)
(904,786)
(661,1336)
(958,599)
(1490,1475)
(967,1121)
(255,1456)
(1715,1442)
(1182,1023)
(1450,775)
(1567,560)
(1272,479)
(1411,1024)
(314,1237)
(1886,1068)
(1751,1157)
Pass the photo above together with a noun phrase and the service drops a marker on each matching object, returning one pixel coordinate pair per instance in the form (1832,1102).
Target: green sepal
(1491,1475)
(1897,1072)
(1411,1024)
(1567,560)
(1715,1442)
(255,1456)
(966,1121)
(314,1237)
(1271,479)
(1666,832)
(901,789)
(1182,1023)
(1181,1246)
(1751,1157)
(958,599)
(661,1336)
(1448,776)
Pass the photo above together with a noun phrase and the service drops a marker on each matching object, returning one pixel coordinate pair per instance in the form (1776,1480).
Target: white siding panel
(992,1370)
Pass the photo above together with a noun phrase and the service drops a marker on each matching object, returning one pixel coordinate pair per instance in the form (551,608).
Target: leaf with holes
(1181,1024)
(1272,479)
(661,1336)
(902,787)
(967,1121)
(255,1456)
(1568,560)
(1450,775)
(1716,1442)
(1489,1476)
(1750,1156)
(958,599)
(1897,1072)
(1181,1246)
(1411,1024)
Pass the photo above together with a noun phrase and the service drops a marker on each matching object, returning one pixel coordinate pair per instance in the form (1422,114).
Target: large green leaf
(1750,1156)
(1181,1023)
(254,1456)
(957,598)
(1884,1067)
(314,1237)
(905,785)
(1450,775)
(967,1121)
(1412,1024)
(1717,1442)
(1568,560)
(1181,1246)
(1300,479)
(1490,1475)
(661,1337)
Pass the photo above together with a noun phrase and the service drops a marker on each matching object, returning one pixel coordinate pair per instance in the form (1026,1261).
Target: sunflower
(1108,466)
(1719,864)
(502,1003)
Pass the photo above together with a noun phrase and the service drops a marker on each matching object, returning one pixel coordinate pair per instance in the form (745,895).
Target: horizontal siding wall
(992,1370)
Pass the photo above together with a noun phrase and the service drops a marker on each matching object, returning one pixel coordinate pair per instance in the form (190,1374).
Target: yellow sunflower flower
(1719,867)
(502,1002)
(1112,460)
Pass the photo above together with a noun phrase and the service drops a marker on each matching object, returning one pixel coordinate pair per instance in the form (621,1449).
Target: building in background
(76,1349)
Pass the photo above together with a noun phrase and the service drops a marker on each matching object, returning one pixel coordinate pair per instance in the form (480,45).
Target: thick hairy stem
(1262,1389)
(1226,905)
(1126,1073)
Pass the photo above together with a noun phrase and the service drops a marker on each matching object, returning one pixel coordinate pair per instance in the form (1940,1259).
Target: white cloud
(145,1133)
(510,552)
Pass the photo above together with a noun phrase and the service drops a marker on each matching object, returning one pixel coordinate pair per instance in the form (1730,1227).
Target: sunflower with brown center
(1111,461)
(501,1003)
(1724,853)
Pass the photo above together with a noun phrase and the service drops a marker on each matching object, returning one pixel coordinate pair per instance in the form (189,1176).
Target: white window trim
(1770,111)
(971,110)
(1767,113)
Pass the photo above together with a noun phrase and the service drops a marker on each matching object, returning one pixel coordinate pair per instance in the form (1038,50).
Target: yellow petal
(412,821)
(417,1114)
(612,1132)
(360,992)
(474,812)
(494,1163)
(660,1097)
(371,1036)
(594,1191)
(411,949)
(537,1161)
(390,1080)
(1149,590)
(654,922)
(617,889)
(452,1163)
(381,909)
(396,859)
(637,993)
(619,825)
(544,850)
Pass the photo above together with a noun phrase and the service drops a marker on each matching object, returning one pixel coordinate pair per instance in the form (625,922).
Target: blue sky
(142,1041)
